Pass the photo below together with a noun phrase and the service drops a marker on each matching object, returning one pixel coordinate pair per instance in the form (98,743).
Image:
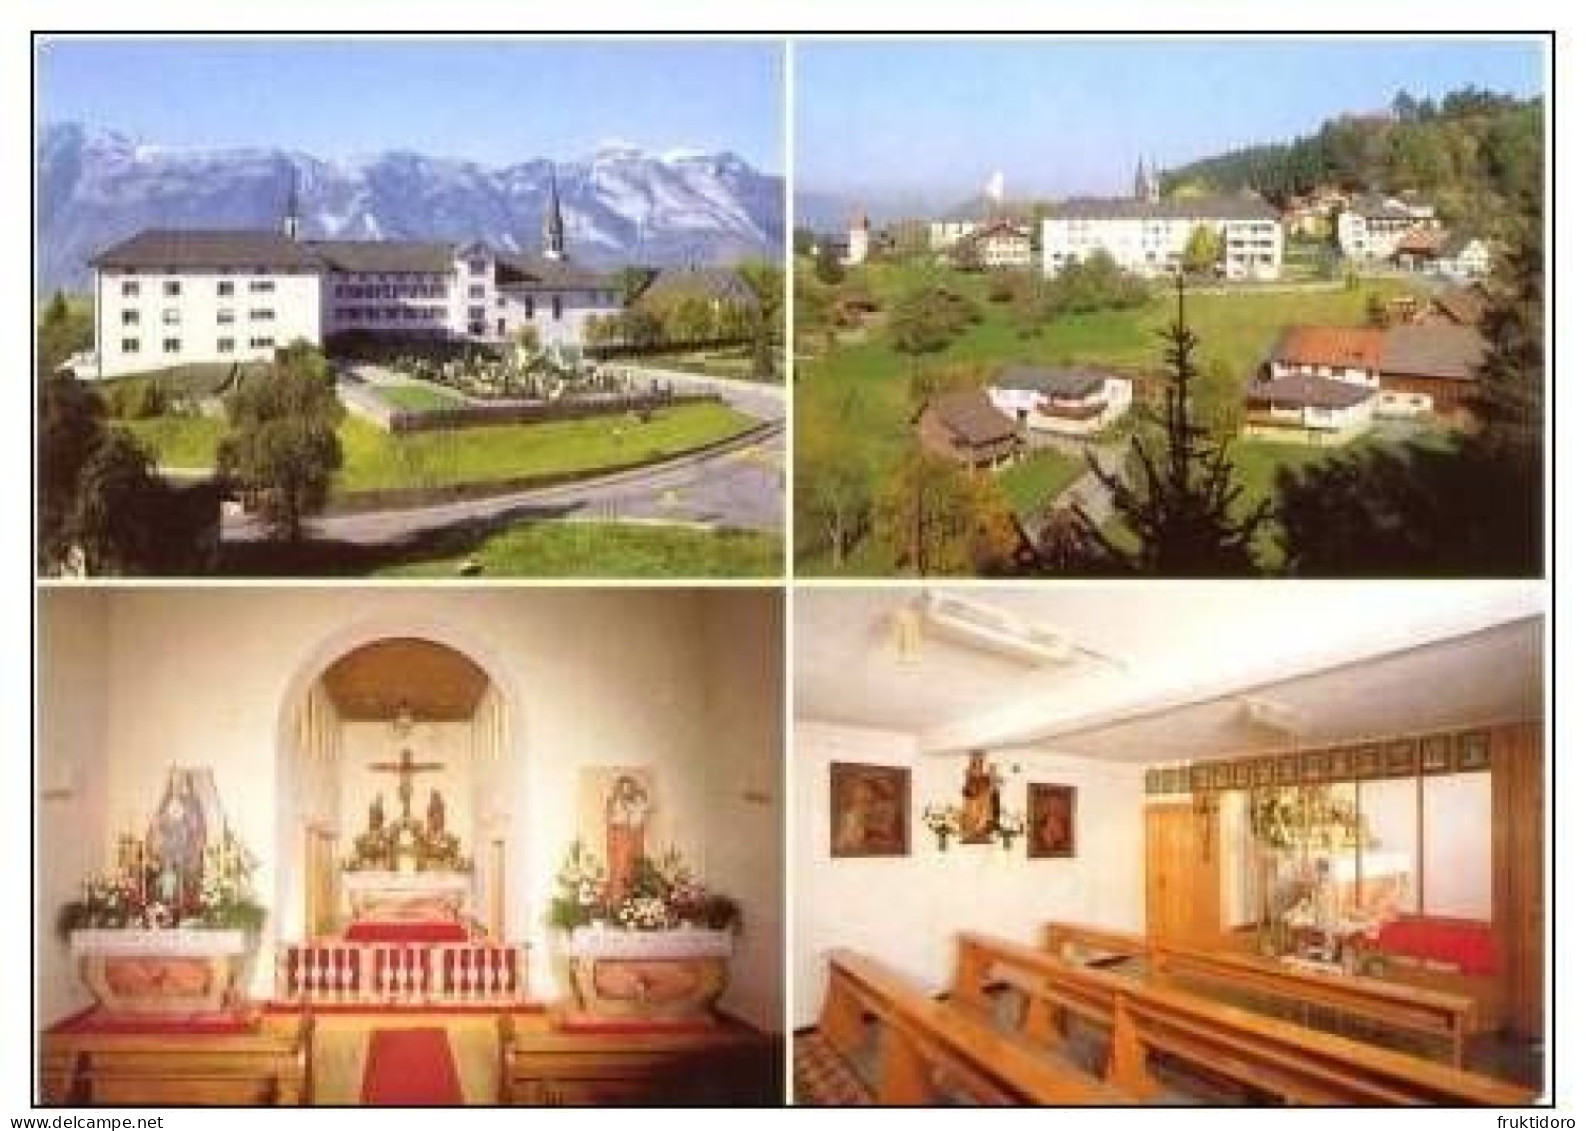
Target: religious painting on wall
(1051,821)
(869,810)
(618,821)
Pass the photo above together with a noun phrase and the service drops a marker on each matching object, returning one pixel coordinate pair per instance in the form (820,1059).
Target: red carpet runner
(410,1066)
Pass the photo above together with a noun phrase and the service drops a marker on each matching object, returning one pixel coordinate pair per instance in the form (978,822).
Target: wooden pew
(924,1040)
(1445,1019)
(1271,1057)
(269,1066)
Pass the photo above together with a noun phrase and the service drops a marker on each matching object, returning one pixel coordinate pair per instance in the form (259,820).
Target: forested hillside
(1472,154)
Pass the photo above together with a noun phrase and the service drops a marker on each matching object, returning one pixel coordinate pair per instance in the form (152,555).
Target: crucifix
(405,767)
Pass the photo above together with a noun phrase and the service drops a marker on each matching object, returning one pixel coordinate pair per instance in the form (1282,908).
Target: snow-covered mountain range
(620,205)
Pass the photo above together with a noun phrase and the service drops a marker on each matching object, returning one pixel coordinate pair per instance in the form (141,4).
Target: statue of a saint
(435,816)
(982,805)
(627,811)
(177,845)
(377,813)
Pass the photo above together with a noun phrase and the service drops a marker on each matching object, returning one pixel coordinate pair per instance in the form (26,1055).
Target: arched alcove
(351,707)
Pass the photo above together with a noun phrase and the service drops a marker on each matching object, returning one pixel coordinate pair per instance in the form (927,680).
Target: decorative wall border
(1446,752)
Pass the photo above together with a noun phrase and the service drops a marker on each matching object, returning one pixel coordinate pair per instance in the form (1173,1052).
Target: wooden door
(1519,801)
(1181,873)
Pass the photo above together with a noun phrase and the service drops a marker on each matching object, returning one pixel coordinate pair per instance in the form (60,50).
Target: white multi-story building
(164,298)
(1148,237)
(1372,226)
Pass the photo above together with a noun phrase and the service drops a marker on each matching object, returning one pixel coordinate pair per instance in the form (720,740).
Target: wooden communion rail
(268,1066)
(1270,1057)
(927,1046)
(1444,1018)
(343,973)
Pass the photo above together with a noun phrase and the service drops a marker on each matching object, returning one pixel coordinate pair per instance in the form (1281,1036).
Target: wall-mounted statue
(982,808)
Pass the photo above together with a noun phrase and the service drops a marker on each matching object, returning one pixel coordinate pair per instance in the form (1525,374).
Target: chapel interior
(1228,844)
(362,846)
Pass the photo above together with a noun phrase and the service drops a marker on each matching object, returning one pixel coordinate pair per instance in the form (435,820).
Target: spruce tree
(1182,508)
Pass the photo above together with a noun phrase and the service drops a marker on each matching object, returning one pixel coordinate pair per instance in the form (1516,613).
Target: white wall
(72,782)
(905,910)
(593,677)
(294,302)
(743,636)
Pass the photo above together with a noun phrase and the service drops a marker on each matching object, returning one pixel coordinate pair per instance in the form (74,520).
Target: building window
(225,317)
(129,345)
(556,307)
(171,317)
(478,266)
(528,306)
(129,317)
(129,289)
(261,286)
(476,290)
(263,314)
(225,288)
(172,288)
(476,314)
(225,345)
(261,343)
(172,345)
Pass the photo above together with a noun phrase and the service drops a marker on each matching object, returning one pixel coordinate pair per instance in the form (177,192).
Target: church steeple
(291,221)
(555,236)
(1142,188)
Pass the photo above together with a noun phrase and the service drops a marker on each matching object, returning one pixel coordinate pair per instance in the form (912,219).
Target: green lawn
(854,399)
(179,441)
(579,549)
(736,362)
(1032,482)
(373,458)
(417,398)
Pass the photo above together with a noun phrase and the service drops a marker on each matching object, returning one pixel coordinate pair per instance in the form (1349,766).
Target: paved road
(740,486)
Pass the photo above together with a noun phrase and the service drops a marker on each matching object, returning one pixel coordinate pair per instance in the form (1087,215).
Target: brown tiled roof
(1186,208)
(1421,241)
(154,248)
(386,256)
(533,272)
(701,282)
(1464,305)
(1308,390)
(1343,346)
(971,418)
(1069,382)
(1429,350)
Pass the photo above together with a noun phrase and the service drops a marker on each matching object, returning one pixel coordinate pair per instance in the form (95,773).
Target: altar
(408,897)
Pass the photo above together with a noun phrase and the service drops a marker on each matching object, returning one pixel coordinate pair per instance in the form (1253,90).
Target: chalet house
(1429,367)
(1003,245)
(964,426)
(1436,251)
(1312,214)
(1330,382)
(1303,405)
(1067,400)
(1371,227)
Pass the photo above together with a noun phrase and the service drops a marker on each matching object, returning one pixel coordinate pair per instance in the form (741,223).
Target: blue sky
(937,118)
(497,101)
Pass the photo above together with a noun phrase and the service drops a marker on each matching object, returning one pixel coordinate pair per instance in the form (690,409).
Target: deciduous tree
(282,447)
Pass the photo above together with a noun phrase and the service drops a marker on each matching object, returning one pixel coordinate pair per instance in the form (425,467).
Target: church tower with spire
(292,221)
(555,236)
